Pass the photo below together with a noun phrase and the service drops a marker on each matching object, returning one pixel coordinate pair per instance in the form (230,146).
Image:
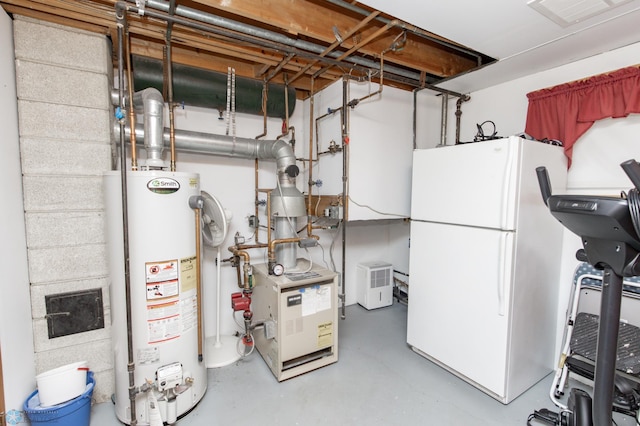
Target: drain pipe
(121,24)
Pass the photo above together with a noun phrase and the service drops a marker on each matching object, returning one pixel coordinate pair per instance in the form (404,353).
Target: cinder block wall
(64,77)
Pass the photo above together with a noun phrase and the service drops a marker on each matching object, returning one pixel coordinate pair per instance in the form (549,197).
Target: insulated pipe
(150,102)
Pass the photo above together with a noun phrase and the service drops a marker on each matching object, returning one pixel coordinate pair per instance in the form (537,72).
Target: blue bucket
(76,412)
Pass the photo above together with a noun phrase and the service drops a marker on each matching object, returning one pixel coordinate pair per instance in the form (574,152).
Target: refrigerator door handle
(504,270)
(507,202)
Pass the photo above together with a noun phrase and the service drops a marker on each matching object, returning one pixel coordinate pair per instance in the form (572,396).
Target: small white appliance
(484,262)
(374,282)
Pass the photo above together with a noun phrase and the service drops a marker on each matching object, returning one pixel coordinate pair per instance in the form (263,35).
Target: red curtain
(566,111)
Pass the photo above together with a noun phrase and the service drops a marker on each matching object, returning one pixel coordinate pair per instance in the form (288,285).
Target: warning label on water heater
(164,316)
(162,279)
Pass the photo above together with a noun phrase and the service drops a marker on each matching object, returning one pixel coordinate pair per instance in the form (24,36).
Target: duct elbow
(285,158)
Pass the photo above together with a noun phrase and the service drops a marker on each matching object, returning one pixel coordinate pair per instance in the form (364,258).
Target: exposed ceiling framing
(306,43)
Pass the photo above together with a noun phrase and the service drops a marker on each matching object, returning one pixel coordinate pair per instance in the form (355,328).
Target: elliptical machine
(610,231)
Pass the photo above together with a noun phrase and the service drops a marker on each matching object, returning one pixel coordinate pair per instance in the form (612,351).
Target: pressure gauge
(277,269)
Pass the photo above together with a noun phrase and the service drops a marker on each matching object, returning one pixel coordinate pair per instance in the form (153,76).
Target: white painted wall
(596,155)
(16,337)
(231,181)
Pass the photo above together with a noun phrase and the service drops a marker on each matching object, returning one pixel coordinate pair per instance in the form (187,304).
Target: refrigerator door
(474,184)
(459,304)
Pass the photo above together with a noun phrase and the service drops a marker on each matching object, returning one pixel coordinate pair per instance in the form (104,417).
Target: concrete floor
(378,380)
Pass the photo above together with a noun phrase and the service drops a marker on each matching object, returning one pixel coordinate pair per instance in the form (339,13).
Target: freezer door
(459,300)
(473,184)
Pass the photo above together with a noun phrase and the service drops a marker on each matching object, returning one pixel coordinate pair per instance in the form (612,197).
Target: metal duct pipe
(150,102)
(228,146)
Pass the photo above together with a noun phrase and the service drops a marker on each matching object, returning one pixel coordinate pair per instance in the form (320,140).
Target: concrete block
(52,157)
(38,293)
(60,193)
(65,229)
(40,41)
(57,85)
(67,263)
(71,123)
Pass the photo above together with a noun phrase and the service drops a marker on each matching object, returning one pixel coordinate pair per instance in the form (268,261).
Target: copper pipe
(268,217)
(274,243)
(248,246)
(247,263)
(265,97)
(132,114)
(198,283)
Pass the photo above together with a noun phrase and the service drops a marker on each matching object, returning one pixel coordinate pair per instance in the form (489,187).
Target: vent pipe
(150,102)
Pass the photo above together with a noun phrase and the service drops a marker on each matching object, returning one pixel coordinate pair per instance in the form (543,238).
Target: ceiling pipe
(260,33)
(408,27)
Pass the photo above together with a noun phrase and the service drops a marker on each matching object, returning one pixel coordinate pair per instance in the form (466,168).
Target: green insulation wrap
(208,89)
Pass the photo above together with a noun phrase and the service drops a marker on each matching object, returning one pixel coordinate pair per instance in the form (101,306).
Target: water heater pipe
(150,102)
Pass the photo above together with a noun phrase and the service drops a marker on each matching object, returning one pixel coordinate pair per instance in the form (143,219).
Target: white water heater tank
(164,290)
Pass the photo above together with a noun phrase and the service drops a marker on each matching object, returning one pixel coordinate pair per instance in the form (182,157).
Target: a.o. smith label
(163,185)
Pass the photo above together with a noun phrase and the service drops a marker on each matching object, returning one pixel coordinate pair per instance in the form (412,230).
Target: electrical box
(374,281)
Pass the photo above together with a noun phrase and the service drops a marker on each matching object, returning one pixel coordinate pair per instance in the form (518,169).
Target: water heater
(166,334)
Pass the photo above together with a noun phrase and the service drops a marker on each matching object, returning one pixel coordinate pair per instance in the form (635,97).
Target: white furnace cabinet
(484,262)
(300,315)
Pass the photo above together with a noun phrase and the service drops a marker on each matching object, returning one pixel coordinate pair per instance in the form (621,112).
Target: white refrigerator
(484,262)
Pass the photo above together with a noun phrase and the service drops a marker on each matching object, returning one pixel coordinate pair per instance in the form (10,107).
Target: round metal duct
(208,89)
